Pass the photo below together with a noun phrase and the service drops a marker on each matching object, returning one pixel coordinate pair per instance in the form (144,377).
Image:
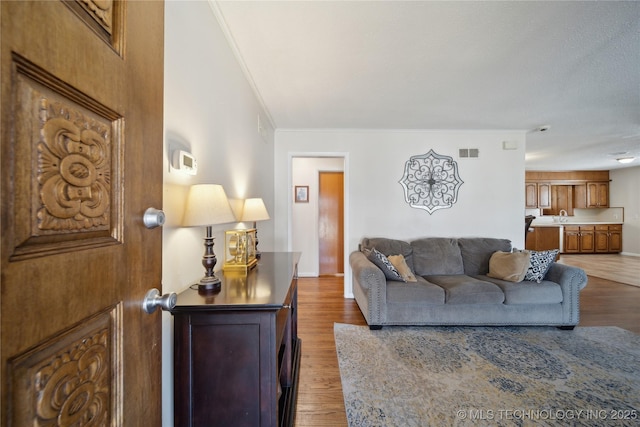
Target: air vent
(468,152)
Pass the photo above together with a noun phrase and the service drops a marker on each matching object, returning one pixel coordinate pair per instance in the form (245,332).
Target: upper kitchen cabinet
(538,195)
(556,191)
(597,194)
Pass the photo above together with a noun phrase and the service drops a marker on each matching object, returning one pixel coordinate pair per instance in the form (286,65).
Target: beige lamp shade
(254,210)
(207,204)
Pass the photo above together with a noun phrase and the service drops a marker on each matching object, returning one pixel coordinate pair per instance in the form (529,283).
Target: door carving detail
(66,380)
(69,194)
(101,10)
(74,164)
(103,17)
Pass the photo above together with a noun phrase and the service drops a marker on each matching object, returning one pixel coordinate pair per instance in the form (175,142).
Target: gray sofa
(453,286)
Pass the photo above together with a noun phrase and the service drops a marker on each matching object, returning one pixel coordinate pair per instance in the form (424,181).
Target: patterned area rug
(511,376)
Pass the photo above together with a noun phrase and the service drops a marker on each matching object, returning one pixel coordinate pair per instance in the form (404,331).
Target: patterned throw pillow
(540,263)
(383,263)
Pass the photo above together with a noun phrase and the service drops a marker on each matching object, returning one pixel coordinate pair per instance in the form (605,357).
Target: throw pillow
(400,264)
(383,263)
(540,263)
(509,266)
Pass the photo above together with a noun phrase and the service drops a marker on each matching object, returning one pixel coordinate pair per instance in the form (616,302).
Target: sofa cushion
(463,289)
(383,263)
(540,263)
(400,264)
(545,292)
(476,252)
(509,266)
(419,292)
(436,255)
(389,247)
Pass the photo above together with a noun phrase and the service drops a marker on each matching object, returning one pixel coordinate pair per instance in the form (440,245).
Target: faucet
(563,215)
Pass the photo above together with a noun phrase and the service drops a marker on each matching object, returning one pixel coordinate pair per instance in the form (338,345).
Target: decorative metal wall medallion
(431,181)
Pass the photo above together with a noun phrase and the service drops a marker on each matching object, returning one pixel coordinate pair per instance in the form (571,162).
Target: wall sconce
(207,205)
(255,210)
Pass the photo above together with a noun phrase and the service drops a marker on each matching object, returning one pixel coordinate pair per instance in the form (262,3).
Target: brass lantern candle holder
(239,250)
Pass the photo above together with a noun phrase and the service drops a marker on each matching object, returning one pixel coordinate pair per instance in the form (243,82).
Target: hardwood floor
(321,303)
(616,267)
(607,303)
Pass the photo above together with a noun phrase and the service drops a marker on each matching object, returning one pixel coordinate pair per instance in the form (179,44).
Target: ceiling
(485,65)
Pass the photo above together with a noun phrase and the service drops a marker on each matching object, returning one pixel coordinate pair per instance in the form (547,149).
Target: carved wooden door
(82,93)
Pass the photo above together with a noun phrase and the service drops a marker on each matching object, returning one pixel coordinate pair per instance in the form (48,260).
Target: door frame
(348,293)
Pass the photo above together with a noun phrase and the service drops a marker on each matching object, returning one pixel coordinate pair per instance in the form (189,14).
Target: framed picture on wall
(301,194)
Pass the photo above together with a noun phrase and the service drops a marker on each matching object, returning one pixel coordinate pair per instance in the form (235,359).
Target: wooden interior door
(82,94)
(331,222)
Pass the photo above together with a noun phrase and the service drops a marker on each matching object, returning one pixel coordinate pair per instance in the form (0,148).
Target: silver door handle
(153,218)
(153,300)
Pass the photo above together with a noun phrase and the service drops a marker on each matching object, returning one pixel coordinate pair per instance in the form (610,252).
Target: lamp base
(209,283)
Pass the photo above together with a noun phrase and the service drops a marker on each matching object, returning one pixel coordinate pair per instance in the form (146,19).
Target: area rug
(504,376)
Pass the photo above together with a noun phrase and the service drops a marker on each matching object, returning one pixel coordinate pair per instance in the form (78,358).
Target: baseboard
(307,274)
(629,254)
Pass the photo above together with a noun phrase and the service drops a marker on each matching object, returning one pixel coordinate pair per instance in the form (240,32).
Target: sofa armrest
(365,272)
(369,288)
(565,275)
(571,281)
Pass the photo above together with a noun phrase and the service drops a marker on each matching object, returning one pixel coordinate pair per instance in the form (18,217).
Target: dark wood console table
(237,352)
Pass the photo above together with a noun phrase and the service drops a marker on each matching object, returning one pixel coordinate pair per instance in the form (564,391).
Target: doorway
(305,214)
(331,223)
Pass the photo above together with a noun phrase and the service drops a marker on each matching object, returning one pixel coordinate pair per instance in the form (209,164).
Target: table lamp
(254,210)
(207,205)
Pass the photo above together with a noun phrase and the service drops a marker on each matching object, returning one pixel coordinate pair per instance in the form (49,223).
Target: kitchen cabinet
(537,195)
(237,351)
(597,194)
(608,238)
(543,238)
(579,239)
(554,191)
(561,200)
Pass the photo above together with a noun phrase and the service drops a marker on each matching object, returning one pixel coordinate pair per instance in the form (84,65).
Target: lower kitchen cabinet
(579,239)
(543,238)
(608,238)
(588,239)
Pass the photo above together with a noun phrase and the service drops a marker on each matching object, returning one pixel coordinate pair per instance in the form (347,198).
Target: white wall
(624,191)
(210,110)
(304,220)
(490,202)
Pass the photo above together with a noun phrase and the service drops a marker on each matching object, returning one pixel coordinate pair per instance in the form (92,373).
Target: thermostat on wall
(184,162)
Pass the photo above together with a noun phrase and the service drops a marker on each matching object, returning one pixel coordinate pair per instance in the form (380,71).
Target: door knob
(153,218)
(153,300)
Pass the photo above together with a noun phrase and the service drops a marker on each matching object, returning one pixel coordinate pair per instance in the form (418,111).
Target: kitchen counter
(561,224)
(575,236)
